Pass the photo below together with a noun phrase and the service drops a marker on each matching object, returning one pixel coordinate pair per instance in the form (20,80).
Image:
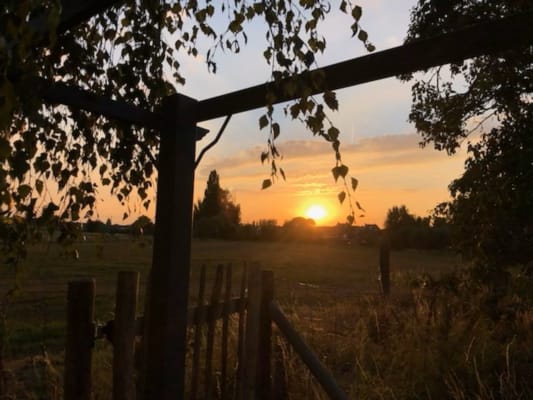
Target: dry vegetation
(431,340)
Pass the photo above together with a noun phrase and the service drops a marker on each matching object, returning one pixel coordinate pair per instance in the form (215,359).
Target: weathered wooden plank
(166,331)
(264,352)
(61,93)
(239,384)
(484,38)
(198,319)
(79,340)
(319,371)
(124,336)
(251,342)
(225,332)
(211,325)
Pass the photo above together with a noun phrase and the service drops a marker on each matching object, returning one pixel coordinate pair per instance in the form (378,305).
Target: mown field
(427,341)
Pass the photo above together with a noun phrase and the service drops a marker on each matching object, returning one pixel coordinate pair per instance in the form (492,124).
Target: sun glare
(316,212)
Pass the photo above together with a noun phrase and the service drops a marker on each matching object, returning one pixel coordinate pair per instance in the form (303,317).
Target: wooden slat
(225,329)
(252,333)
(484,38)
(239,384)
(264,353)
(319,371)
(79,340)
(124,336)
(215,299)
(198,319)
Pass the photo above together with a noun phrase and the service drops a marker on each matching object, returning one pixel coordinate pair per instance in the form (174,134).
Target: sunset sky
(378,145)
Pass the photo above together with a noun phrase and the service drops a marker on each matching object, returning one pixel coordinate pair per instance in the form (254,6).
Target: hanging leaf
(341,196)
(355,182)
(339,171)
(266,184)
(359,206)
(263,121)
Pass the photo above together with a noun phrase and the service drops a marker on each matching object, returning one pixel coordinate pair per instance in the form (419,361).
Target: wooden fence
(250,368)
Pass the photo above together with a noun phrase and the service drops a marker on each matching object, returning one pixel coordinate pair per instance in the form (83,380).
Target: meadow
(425,341)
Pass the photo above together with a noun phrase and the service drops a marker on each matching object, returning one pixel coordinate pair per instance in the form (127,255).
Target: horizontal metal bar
(484,38)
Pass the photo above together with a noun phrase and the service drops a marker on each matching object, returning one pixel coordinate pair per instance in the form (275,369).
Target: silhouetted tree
(143,226)
(490,211)
(299,228)
(216,215)
(405,230)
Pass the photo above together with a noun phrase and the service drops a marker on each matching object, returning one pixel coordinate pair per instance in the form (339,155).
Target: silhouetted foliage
(491,205)
(406,230)
(299,228)
(143,226)
(216,216)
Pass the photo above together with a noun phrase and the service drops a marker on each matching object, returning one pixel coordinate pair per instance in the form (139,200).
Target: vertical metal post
(169,279)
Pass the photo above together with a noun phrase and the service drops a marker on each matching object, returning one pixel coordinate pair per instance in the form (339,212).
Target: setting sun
(316,212)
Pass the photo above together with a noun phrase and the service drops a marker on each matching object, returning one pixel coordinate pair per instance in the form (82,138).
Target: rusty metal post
(169,279)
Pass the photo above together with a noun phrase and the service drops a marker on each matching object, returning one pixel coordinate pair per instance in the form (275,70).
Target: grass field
(421,343)
(306,273)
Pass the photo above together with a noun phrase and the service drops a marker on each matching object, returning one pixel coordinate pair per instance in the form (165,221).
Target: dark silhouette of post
(169,277)
(384,264)
(79,340)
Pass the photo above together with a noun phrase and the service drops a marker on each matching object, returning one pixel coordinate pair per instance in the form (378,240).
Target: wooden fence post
(124,336)
(79,339)
(241,348)
(264,351)
(252,334)
(211,326)
(225,334)
(166,330)
(384,265)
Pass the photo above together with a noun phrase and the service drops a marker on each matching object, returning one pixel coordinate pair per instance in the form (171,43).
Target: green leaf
(341,196)
(263,121)
(355,182)
(266,184)
(362,36)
